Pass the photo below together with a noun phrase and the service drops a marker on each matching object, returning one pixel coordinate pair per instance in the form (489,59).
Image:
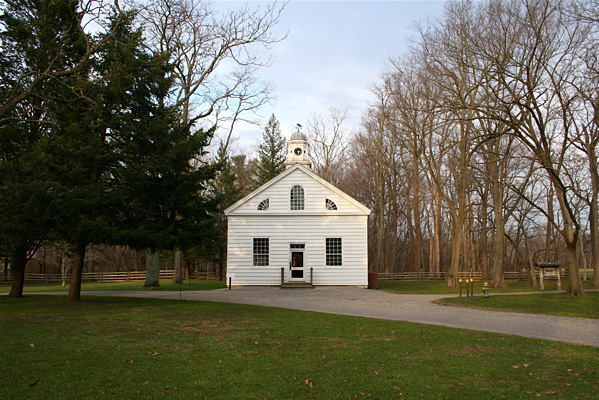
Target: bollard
(460,287)
(229,283)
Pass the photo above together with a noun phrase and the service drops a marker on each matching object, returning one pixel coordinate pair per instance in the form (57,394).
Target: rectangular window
(261,249)
(333,252)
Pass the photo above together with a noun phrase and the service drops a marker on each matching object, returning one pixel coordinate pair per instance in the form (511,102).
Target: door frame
(303,268)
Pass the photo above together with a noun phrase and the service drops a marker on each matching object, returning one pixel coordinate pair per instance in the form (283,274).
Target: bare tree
(329,143)
(215,55)
(534,63)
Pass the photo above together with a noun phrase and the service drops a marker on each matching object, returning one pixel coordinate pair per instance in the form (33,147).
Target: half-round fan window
(330,204)
(264,204)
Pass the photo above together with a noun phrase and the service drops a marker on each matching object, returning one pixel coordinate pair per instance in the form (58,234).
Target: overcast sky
(332,56)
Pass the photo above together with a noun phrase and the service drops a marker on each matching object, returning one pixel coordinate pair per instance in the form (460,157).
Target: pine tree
(32,61)
(271,152)
(99,155)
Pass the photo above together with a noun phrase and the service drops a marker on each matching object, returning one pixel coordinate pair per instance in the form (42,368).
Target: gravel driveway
(398,307)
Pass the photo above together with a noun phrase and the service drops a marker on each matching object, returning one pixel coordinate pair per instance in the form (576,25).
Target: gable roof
(306,171)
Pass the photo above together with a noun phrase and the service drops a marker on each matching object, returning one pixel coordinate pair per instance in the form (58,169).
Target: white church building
(297,229)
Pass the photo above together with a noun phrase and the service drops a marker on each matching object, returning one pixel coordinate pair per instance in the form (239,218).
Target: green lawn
(555,304)
(119,286)
(438,287)
(120,348)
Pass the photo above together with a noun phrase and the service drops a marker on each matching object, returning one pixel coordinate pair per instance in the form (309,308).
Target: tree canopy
(271,152)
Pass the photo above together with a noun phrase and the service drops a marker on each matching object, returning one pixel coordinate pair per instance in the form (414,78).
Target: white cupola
(297,149)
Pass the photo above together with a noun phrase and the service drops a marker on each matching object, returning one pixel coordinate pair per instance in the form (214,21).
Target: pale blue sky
(334,52)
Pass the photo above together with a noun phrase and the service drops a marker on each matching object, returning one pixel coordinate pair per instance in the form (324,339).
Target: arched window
(297,198)
(264,204)
(330,204)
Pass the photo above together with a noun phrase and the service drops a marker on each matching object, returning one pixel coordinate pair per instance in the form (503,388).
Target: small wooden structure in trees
(549,265)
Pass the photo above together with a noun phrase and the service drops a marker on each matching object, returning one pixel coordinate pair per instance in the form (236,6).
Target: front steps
(296,285)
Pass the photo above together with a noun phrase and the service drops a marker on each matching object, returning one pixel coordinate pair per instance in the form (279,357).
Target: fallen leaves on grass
(306,382)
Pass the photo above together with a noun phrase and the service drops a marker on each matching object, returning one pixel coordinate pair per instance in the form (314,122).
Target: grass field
(118,348)
(118,286)
(438,287)
(554,304)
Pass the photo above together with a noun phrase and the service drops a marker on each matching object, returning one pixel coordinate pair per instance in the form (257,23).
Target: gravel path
(417,308)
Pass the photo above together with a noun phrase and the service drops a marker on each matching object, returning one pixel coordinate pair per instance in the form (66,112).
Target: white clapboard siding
(310,230)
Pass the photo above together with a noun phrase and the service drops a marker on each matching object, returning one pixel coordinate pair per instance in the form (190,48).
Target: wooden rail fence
(438,276)
(130,276)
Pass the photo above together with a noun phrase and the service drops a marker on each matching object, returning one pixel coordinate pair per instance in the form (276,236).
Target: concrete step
(296,285)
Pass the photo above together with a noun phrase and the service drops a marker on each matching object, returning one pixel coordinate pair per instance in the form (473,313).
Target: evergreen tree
(135,177)
(98,155)
(32,62)
(271,153)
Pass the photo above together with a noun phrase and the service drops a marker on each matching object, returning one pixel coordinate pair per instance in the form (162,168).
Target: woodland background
(480,153)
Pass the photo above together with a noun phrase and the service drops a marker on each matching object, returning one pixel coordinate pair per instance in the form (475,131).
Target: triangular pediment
(316,192)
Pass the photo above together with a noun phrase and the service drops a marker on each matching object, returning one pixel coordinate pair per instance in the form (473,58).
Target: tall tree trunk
(18,268)
(570,233)
(152,268)
(484,243)
(380,205)
(549,242)
(121,255)
(574,282)
(531,264)
(456,250)
(436,257)
(582,261)
(63,271)
(594,216)
(77,272)
(498,246)
(178,277)
(496,188)
(418,251)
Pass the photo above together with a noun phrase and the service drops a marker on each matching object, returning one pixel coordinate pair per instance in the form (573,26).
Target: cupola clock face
(298,151)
